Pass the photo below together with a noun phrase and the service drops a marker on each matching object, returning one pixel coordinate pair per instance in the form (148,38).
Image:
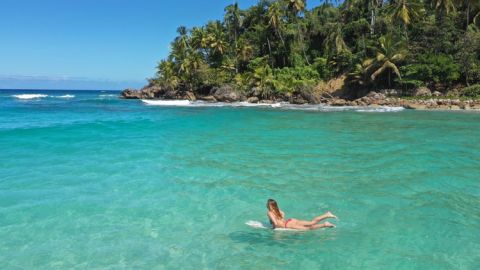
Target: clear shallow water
(94,182)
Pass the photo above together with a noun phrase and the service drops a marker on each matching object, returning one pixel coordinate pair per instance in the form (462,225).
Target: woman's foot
(328,224)
(330,215)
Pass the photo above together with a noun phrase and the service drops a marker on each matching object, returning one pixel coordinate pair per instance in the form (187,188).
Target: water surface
(95,182)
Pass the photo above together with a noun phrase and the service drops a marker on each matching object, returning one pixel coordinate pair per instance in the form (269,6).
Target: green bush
(472,91)
(320,64)
(432,69)
(288,79)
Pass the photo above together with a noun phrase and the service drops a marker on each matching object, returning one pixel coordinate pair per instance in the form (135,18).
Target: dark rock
(414,106)
(390,92)
(255,92)
(170,94)
(338,102)
(298,100)
(208,98)
(227,93)
(376,96)
(190,96)
(456,102)
(130,94)
(308,94)
(267,101)
(252,100)
(148,92)
(422,92)
(436,94)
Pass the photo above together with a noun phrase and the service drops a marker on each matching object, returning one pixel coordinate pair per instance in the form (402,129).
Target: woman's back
(277,222)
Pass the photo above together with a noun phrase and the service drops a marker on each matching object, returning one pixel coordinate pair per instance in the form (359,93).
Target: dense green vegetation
(278,46)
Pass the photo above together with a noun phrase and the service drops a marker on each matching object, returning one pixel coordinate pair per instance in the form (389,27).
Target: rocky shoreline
(423,99)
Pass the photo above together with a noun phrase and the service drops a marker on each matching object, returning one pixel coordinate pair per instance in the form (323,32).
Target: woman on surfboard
(277,219)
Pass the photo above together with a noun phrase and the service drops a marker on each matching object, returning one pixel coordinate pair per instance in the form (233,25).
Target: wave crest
(279,105)
(30,96)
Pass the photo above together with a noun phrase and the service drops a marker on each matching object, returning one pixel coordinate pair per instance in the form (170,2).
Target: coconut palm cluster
(278,46)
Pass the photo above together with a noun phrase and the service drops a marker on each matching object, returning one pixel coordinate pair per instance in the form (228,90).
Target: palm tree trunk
(364,46)
(389,79)
(284,47)
(302,43)
(236,48)
(270,51)
(372,23)
(468,15)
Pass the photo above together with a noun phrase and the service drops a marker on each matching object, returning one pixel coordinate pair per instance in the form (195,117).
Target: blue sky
(92,44)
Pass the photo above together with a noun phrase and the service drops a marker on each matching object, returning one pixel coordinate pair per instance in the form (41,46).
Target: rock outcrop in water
(229,93)
(157,92)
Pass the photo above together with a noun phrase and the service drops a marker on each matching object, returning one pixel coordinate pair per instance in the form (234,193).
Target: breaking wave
(280,105)
(30,96)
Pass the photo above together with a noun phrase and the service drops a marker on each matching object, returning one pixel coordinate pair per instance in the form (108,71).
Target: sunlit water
(89,181)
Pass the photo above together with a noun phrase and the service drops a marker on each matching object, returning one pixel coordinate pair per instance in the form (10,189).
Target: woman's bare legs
(323,225)
(316,220)
(324,216)
(299,226)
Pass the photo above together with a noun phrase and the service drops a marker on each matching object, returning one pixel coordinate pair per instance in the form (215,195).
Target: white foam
(381,109)
(167,102)
(65,96)
(256,224)
(259,225)
(30,96)
(109,95)
(278,105)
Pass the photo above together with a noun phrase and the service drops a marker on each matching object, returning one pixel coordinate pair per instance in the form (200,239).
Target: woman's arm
(273,219)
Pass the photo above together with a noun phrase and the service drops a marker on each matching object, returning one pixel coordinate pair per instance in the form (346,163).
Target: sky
(92,44)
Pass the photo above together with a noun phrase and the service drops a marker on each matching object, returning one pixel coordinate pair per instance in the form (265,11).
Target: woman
(277,219)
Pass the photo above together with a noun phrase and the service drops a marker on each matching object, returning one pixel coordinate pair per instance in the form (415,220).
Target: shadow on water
(280,238)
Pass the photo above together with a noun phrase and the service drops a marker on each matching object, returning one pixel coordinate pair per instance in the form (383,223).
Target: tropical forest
(277,47)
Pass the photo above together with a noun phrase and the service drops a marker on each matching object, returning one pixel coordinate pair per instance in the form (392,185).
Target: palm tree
(182,38)
(275,19)
(244,50)
(178,52)
(471,7)
(334,42)
(216,41)
(263,79)
(295,7)
(359,75)
(389,54)
(404,11)
(443,6)
(275,15)
(199,38)
(233,21)
(167,75)
(368,6)
(190,66)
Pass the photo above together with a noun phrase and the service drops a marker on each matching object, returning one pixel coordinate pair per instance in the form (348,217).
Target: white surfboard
(166,102)
(259,225)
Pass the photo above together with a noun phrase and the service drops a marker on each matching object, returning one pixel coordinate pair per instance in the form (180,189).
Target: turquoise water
(94,182)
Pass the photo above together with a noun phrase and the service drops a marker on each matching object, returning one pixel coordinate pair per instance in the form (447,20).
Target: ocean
(91,181)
